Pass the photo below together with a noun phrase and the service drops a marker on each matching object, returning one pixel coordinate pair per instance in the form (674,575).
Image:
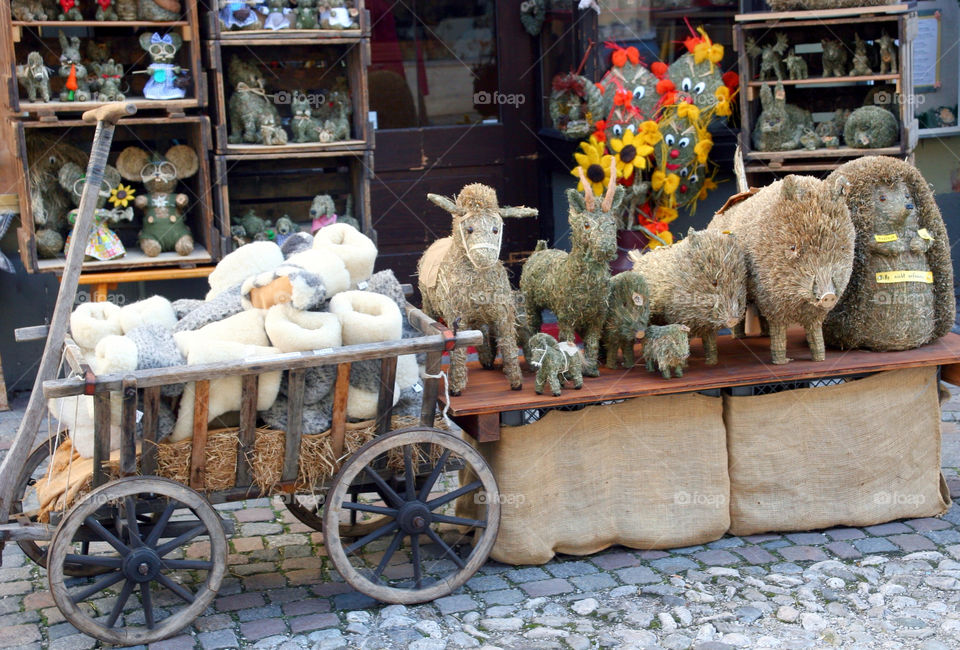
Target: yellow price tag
(885,238)
(925,234)
(894,277)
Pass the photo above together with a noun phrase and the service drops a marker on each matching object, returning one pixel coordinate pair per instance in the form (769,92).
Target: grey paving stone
(550,587)
(617,560)
(312,622)
(353,600)
(912,542)
(502,597)
(72,642)
(670,565)
(268,611)
(306,606)
(570,569)
(843,550)
(802,554)
(239,601)
(755,555)
(717,558)
(687,550)
(486,583)
(845,534)
(180,642)
(786,567)
(892,528)
(873,545)
(775,544)
(726,542)
(455,603)
(218,639)
(927,524)
(652,555)
(759,539)
(594,582)
(258,529)
(528,574)
(638,575)
(943,537)
(807,539)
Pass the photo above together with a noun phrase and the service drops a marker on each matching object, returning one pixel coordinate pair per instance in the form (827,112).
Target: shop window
(433,62)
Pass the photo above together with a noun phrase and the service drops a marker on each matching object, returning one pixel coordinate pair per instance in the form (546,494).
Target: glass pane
(433,62)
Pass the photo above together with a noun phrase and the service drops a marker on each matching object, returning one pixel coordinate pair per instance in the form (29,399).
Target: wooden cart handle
(110,112)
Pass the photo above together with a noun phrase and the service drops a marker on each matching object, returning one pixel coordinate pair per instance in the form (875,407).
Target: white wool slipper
(357,251)
(245,327)
(292,330)
(408,372)
(362,404)
(367,317)
(225,393)
(250,259)
(313,277)
(114,354)
(152,311)
(91,321)
(76,413)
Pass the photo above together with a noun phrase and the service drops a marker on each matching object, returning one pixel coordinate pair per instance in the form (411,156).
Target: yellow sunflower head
(631,153)
(594,164)
(121,195)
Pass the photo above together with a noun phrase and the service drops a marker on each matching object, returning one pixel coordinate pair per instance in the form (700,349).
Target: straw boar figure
(555,363)
(900,294)
(628,314)
(700,282)
(463,281)
(574,285)
(666,348)
(798,238)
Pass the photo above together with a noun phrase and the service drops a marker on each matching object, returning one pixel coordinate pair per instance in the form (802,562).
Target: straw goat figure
(463,282)
(574,285)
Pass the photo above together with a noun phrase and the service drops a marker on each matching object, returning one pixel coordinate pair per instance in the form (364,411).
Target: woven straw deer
(464,284)
(574,285)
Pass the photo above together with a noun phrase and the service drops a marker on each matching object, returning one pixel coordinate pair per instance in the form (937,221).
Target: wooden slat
(128,428)
(198,452)
(291,451)
(260,365)
(818,16)
(151,417)
(951,373)
(431,387)
(32,333)
(388,378)
(743,362)
(248,429)
(101,436)
(339,424)
(828,80)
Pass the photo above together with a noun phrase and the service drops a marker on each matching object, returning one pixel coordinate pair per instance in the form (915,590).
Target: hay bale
(173,459)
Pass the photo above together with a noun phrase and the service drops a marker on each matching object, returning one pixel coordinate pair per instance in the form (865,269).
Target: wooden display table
(743,362)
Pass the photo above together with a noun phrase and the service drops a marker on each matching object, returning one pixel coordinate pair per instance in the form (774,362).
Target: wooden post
(198,453)
(128,428)
(291,452)
(388,378)
(248,429)
(151,416)
(101,437)
(339,425)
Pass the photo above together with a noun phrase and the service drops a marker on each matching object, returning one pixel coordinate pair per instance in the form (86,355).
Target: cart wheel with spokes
(24,508)
(135,554)
(419,549)
(308,509)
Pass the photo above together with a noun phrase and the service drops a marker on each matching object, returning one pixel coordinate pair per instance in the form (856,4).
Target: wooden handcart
(387,515)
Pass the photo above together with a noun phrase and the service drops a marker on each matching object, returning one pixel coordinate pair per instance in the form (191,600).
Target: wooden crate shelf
(287,186)
(822,95)
(215,30)
(153,133)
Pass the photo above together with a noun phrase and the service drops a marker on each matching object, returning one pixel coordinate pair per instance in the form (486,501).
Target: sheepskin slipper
(250,259)
(225,304)
(292,330)
(408,372)
(76,414)
(306,280)
(357,251)
(114,354)
(296,243)
(225,393)
(245,327)
(152,311)
(91,321)
(362,404)
(367,317)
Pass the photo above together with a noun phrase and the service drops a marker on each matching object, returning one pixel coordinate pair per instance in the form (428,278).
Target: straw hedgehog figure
(463,282)
(798,241)
(574,285)
(701,282)
(871,127)
(628,313)
(899,231)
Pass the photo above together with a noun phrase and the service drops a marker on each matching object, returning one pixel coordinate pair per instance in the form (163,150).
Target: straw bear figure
(900,294)
(574,285)
(798,238)
(464,283)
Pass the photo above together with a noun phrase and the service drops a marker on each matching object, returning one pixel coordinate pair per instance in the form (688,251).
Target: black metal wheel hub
(414,517)
(142,565)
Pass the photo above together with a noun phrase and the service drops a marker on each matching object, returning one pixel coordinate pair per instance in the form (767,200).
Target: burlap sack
(647,473)
(855,454)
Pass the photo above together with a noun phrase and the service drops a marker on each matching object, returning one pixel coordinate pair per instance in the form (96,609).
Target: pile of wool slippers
(315,293)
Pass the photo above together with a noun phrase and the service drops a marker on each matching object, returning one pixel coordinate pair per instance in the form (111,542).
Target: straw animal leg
(778,343)
(507,344)
(591,349)
(458,370)
(709,339)
(486,351)
(815,341)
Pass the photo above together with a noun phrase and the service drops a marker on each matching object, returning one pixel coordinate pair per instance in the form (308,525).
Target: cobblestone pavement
(895,585)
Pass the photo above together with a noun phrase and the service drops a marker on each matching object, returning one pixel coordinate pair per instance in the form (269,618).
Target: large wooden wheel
(308,509)
(136,559)
(24,508)
(418,548)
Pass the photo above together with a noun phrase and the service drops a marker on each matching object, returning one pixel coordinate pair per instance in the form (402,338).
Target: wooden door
(453,84)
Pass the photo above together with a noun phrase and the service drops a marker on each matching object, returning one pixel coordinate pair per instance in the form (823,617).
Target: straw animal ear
(588,198)
(518,211)
(130,161)
(612,187)
(445,203)
(575,200)
(185,159)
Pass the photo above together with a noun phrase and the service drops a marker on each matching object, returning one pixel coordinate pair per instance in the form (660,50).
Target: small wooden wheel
(24,508)
(418,549)
(136,559)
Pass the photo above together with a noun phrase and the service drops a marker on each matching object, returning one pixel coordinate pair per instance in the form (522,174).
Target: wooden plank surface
(742,362)
(198,450)
(822,14)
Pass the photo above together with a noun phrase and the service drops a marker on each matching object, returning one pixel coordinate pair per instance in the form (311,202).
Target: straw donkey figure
(464,284)
(575,285)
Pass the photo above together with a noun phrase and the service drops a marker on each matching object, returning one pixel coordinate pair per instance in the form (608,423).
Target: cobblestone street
(888,586)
